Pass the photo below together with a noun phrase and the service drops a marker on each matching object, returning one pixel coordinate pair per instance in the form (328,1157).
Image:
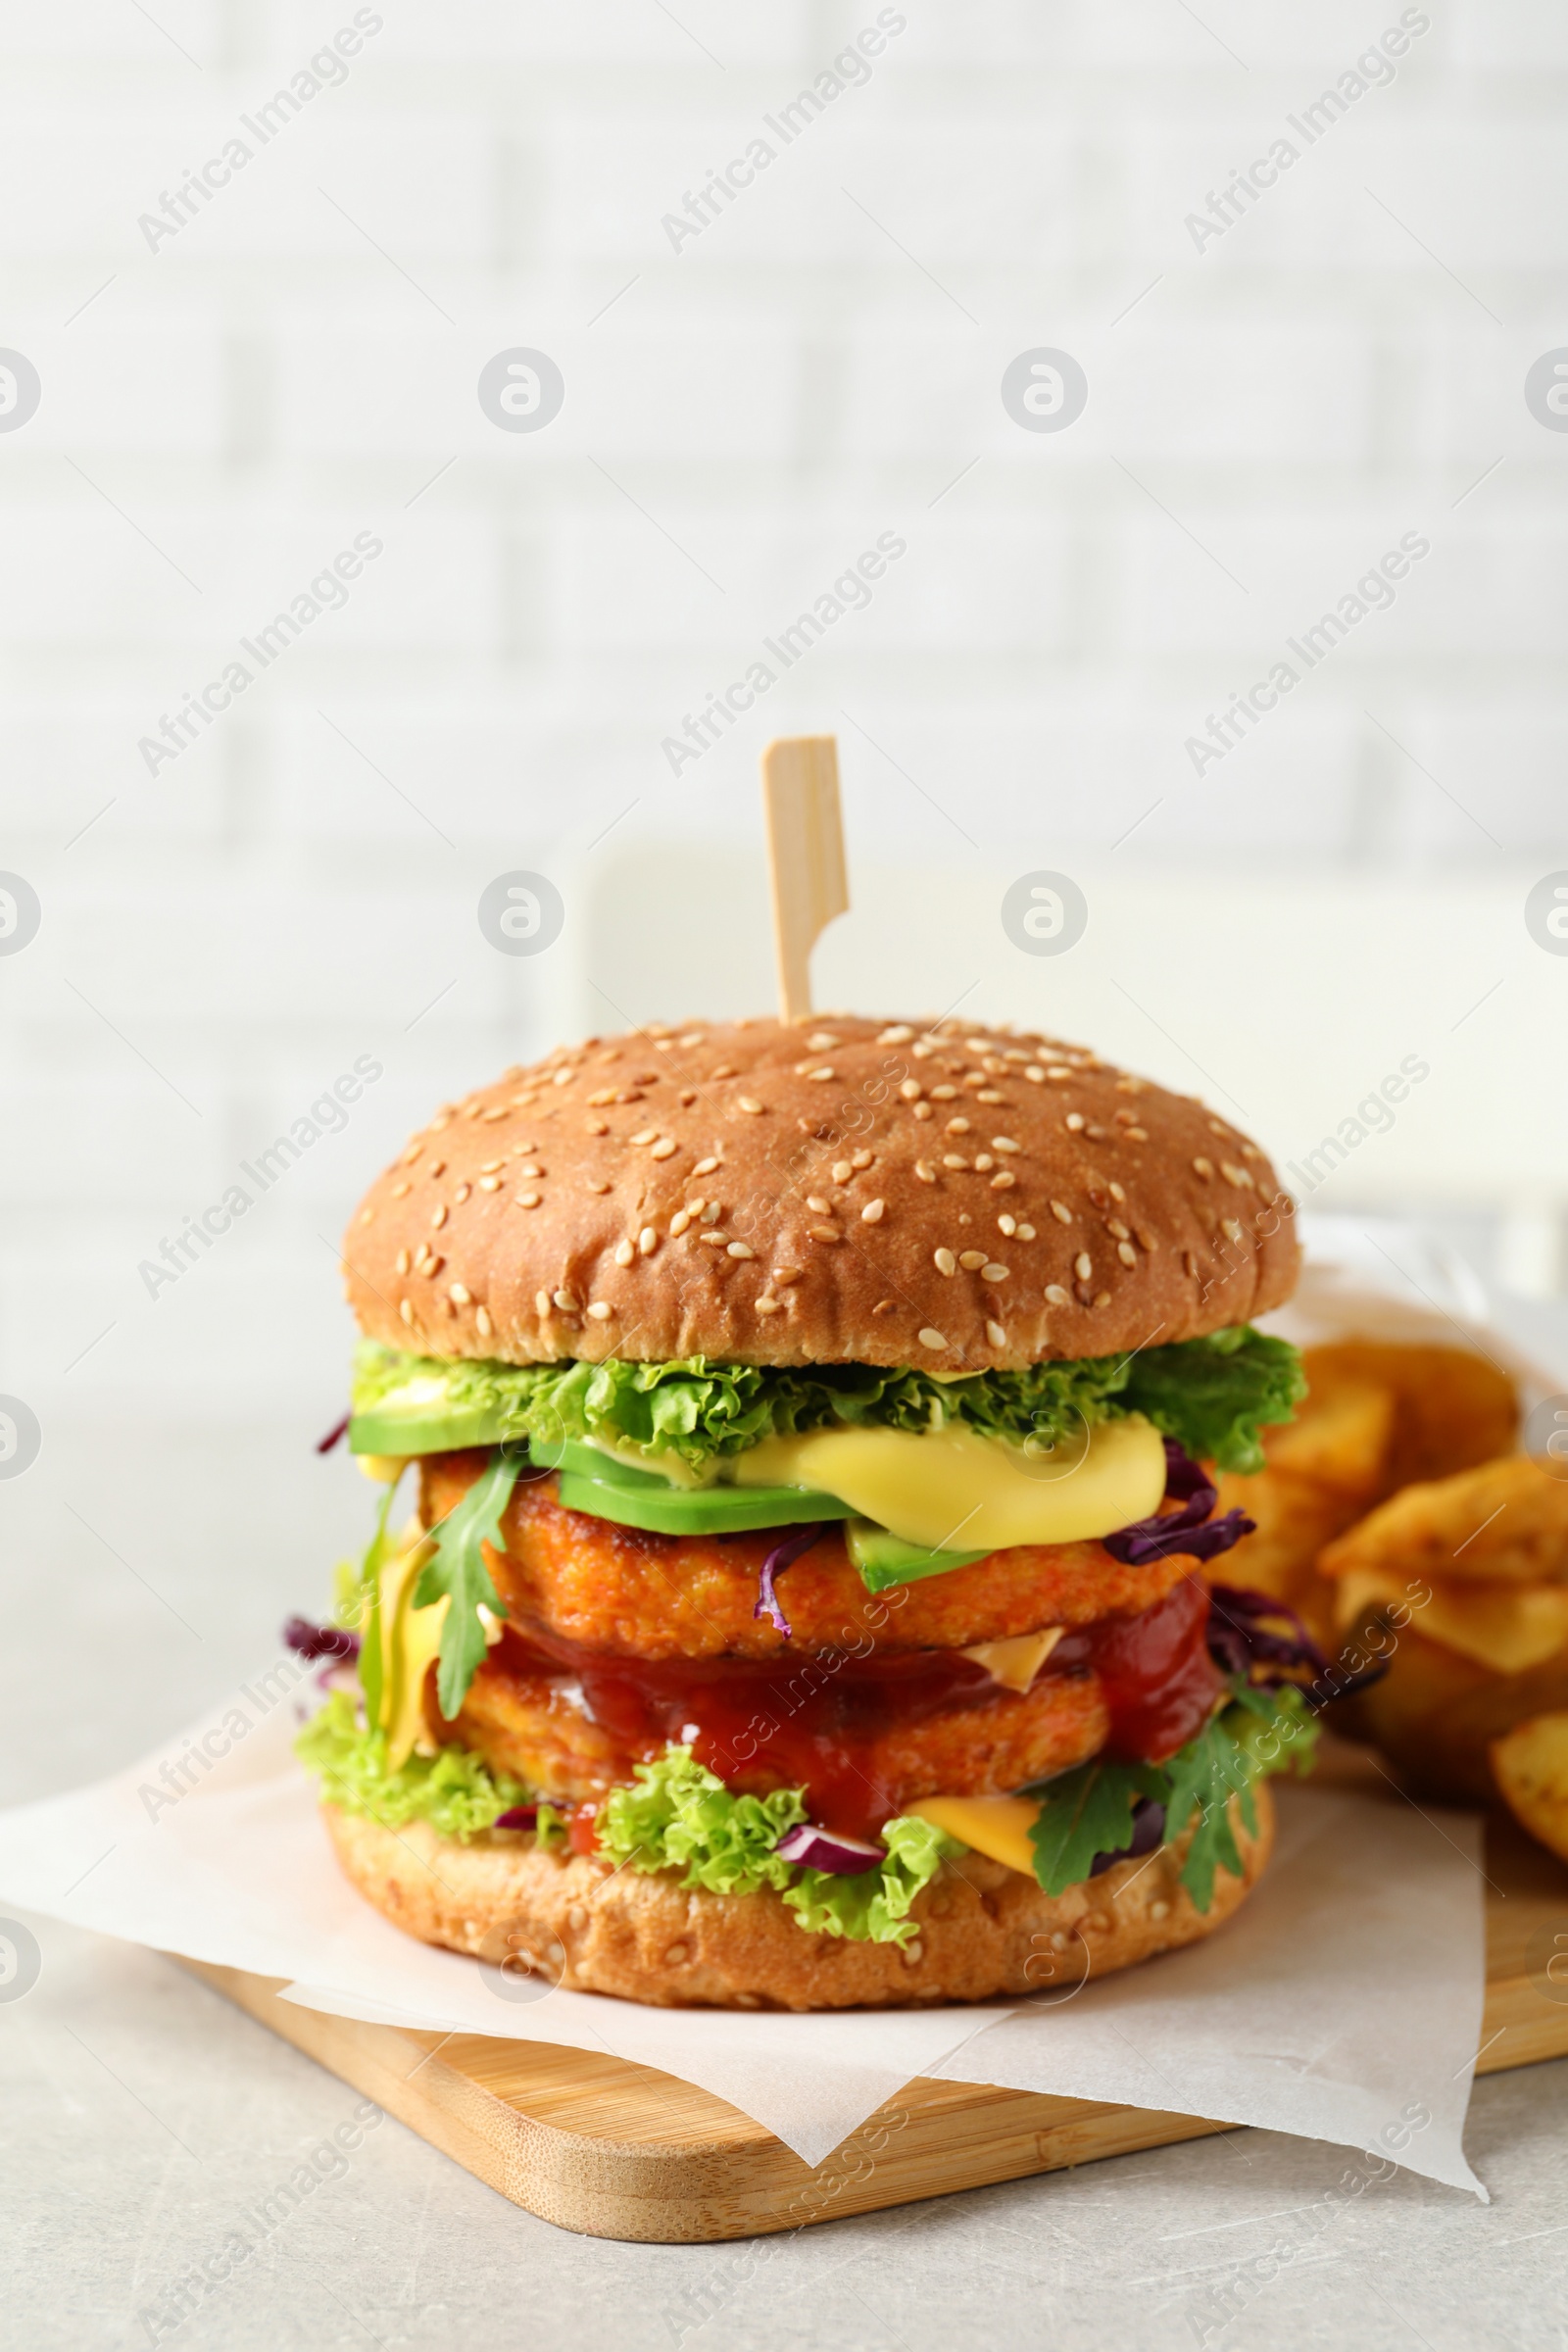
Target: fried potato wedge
(1296,1517)
(1453,1410)
(1341,1435)
(1529,1765)
(1504,1522)
(1507,1628)
(1435,1714)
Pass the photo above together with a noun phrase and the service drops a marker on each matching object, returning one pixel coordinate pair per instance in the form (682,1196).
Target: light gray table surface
(145,2120)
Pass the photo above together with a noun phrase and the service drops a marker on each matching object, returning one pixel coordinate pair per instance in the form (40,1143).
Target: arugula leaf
(1086,1812)
(1212,1395)
(456,1568)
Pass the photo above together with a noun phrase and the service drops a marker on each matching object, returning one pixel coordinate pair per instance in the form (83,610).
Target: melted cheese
(995,1826)
(410,1640)
(1014,1662)
(950,1490)
(1508,1628)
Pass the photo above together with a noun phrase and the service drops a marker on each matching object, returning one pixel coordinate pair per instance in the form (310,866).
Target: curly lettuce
(456,1791)
(1212,1395)
(680,1816)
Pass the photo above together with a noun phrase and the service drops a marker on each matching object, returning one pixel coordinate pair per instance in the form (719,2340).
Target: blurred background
(415,421)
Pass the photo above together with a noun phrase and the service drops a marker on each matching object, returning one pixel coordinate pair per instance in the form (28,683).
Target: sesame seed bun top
(843,1191)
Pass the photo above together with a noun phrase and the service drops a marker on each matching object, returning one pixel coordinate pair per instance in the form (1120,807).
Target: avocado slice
(418,1419)
(883,1558)
(596,1483)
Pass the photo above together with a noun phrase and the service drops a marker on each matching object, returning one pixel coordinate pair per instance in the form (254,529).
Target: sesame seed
(597,1126)
(1061,1213)
(766,1303)
(1026,1233)
(645,1135)
(922,1051)
(925,1171)
(911,1090)
(1006,1224)
(712,1211)
(822,1041)
(459,1294)
(952,1159)
(748,1102)
(971,1258)
(1101,1299)
(496,1111)
(995,1335)
(601,1311)
(603,1095)
(716,1240)
(984,1162)
(958,1126)
(562,1077)
(489,1184)
(1055,1293)
(784,1276)
(898,1036)
(704,1167)
(944,1094)
(842,1171)
(1118,1191)
(820,1075)
(646,1240)
(412,1154)
(1035,1074)
(597,1183)
(989,1094)
(406,1310)
(994,1272)
(739,1249)
(663,1149)
(1004,1182)
(1056,1076)
(1230,1228)
(862,1159)
(922,1111)
(438,1216)
(677,1226)
(1127,1253)
(401,1187)
(1004,1143)
(883,1307)
(488,1168)
(945,1262)
(482,1322)
(932,1339)
(626,1250)
(541,1302)
(1137,1135)
(566,1301)
(1073,1121)
(873,1212)
(366,1216)
(531,1168)
(1116,1228)
(688,1096)
(528,1200)
(1083,1266)
(814,1201)
(824,1233)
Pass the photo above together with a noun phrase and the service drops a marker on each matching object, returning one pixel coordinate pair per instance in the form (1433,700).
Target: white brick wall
(298,887)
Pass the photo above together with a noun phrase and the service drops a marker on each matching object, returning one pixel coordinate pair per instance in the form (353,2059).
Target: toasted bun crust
(536,1219)
(575,1921)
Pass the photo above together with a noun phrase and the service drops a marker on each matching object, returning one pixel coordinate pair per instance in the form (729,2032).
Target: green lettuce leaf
(1210,1393)
(456,1567)
(680,1816)
(456,1791)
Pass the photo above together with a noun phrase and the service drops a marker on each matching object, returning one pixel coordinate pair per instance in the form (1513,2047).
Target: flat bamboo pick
(806,856)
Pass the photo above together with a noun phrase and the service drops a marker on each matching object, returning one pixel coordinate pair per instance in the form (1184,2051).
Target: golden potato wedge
(1453,1410)
(1296,1517)
(1341,1435)
(1435,1714)
(1507,1627)
(1505,1522)
(1529,1765)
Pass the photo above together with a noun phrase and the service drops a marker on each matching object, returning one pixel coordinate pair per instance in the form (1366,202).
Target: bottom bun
(541,1919)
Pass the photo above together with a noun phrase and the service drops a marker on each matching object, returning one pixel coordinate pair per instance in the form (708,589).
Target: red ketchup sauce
(797,1720)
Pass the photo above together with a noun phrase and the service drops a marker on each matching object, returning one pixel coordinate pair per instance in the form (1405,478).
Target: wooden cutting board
(615,2150)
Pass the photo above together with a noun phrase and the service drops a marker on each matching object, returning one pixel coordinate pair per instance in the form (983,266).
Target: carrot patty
(622,1591)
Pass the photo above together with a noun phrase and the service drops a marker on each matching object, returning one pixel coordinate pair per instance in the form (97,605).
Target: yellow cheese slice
(950,1489)
(1015,1662)
(410,1638)
(1508,1628)
(997,1826)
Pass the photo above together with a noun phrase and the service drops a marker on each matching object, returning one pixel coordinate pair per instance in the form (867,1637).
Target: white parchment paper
(1343,2003)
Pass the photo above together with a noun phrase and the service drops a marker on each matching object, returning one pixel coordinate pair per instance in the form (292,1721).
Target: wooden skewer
(806,856)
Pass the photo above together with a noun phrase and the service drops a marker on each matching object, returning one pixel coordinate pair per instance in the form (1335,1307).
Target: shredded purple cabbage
(1148,1831)
(1193,1529)
(825,1849)
(1242,1641)
(326,1443)
(787,1550)
(311,1642)
(517,1817)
